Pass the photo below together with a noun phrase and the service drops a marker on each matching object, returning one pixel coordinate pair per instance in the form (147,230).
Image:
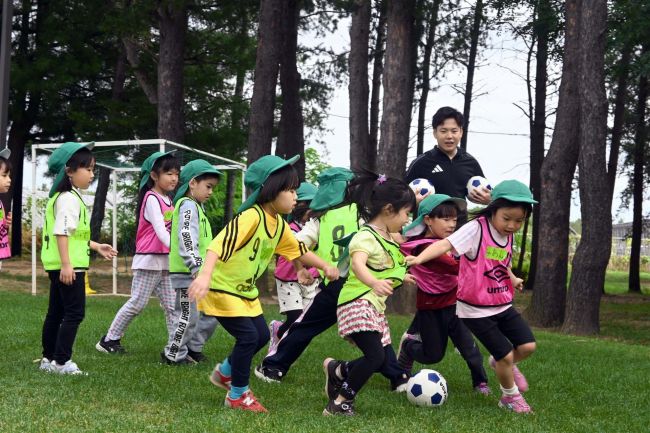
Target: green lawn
(577,385)
(616,282)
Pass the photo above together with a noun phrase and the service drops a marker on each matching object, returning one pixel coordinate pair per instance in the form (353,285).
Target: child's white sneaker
(68,368)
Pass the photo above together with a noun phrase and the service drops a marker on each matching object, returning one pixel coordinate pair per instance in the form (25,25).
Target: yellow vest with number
(78,242)
(238,275)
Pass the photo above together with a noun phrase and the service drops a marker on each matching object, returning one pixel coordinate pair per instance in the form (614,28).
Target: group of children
(341,254)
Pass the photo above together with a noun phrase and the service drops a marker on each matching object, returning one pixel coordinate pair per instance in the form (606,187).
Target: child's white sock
(511,392)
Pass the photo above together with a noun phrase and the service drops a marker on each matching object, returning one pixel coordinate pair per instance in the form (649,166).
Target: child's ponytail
(372,192)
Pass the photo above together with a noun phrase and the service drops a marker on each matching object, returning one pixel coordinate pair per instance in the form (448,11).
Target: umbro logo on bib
(437,169)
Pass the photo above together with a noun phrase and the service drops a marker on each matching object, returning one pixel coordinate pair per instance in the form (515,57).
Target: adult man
(448,167)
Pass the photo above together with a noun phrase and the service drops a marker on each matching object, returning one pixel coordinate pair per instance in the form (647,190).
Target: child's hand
(412,260)
(331,273)
(67,275)
(199,287)
(304,277)
(382,287)
(9,217)
(106,251)
(410,279)
(518,284)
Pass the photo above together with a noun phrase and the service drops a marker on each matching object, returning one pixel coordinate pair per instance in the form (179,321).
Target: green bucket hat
(331,188)
(59,159)
(258,172)
(426,207)
(306,191)
(513,190)
(147,166)
(191,170)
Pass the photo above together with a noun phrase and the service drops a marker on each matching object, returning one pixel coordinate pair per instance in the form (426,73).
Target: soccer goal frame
(217,161)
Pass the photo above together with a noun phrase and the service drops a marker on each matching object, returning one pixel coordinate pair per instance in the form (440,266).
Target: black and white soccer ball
(427,388)
(423,185)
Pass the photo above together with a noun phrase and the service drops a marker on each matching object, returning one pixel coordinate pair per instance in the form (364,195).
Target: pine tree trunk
(619,117)
(23,115)
(558,168)
(173,26)
(358,88)
(291,139)
(592,254)
(396,118)
(640,149)
(117,91)
(104,176)
(471,66)
(235,124)
(269,42)
(377,71)
(426,74)
(541,28)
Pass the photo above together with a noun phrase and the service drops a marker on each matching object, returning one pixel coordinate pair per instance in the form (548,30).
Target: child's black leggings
(65,311)
(373,360)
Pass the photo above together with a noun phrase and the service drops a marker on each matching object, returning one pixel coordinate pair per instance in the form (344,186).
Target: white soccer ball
(423,185)
(427,388)
(477,182)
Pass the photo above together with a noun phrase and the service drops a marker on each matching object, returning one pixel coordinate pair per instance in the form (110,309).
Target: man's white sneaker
(68,368)
(45,365)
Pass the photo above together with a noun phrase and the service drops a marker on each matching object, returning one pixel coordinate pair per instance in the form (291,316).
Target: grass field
(577,384)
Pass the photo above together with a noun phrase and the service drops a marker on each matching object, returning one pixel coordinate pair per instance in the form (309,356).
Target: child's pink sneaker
(516,403)
(483,389)
(520,379)
(219,379)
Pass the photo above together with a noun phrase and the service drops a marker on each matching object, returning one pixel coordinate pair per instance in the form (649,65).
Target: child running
(151,260)
(293,295)
(191,233)
(486,285)
(437,283)
(5,217)
(378,268)
(66,254)
(236,258)
(334,219)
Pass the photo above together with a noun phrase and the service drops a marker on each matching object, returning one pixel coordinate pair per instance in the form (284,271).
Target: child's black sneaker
(196,356)
(269,375)
(400,383)
(110,346)
(404,360)
(167,361)
(332,382)
(345,408)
